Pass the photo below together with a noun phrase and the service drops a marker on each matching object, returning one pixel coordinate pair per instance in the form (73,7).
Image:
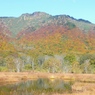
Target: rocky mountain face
(32,22)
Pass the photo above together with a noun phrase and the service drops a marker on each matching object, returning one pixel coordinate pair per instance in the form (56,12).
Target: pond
(39,86)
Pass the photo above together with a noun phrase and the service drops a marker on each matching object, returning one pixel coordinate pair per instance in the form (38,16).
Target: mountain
(25,20)
(37,20)
(60,33)
(28,41)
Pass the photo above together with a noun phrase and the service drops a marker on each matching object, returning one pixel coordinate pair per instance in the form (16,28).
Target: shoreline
(84,83)
(15,76)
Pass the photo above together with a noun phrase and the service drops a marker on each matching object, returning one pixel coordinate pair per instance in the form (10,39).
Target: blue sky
(76,8)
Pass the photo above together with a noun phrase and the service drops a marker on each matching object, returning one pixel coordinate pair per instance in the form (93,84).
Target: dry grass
(84,85)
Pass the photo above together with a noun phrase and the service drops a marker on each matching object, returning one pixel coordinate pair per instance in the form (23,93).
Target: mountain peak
(35,14)
(39,13)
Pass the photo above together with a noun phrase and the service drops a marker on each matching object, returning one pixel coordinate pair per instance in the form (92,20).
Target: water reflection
(37,87)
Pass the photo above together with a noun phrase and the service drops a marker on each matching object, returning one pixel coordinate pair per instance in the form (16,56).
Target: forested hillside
(47,43)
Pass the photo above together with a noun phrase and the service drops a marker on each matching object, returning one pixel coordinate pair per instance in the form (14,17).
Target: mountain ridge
(40,19)
(44,13)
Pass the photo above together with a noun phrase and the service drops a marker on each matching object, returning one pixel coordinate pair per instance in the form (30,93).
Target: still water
(37,87)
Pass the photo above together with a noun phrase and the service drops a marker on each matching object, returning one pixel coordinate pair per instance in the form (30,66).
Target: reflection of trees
(37,87)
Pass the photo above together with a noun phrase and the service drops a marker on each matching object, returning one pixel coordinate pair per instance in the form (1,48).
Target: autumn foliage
(49,40)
